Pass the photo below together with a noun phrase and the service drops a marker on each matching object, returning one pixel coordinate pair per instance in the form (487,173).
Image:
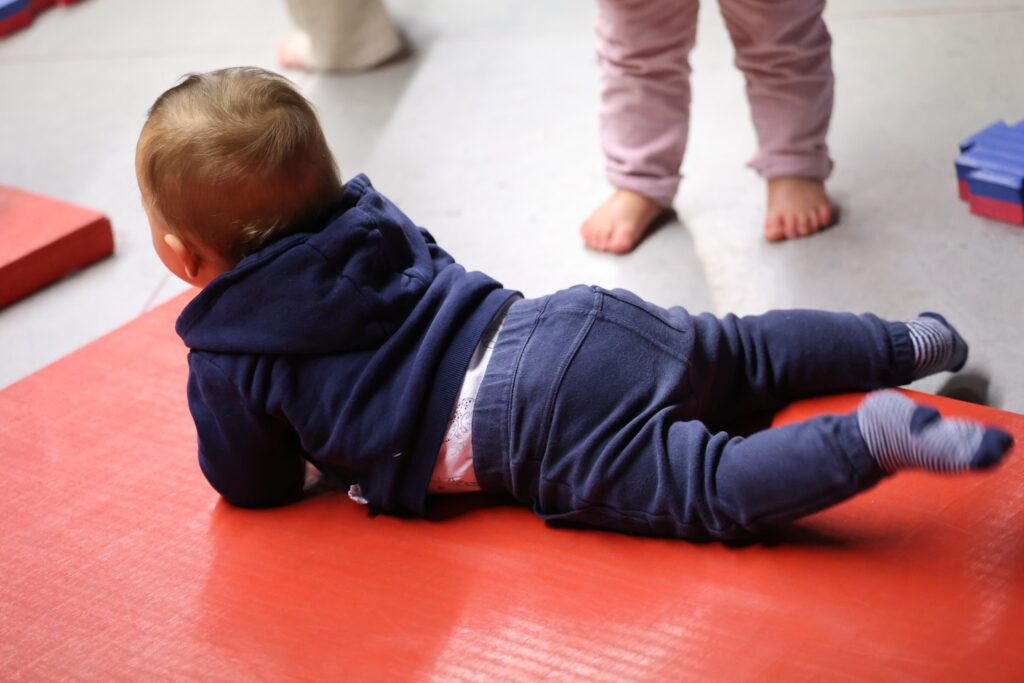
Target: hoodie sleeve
(250,458)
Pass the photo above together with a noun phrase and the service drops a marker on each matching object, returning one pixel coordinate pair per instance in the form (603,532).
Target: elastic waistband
(493,400)
(492,411)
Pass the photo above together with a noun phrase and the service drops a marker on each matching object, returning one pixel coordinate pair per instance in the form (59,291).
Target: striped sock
(901,434)
(937,345)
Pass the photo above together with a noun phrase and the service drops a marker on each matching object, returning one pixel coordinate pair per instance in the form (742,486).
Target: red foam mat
(43,239)
(119,563)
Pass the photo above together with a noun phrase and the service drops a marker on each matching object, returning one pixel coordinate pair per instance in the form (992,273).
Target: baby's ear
(188,258)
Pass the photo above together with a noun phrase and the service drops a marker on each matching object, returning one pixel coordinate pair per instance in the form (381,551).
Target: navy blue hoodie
(345,347)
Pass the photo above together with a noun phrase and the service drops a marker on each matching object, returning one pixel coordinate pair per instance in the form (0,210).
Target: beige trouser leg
(345,34)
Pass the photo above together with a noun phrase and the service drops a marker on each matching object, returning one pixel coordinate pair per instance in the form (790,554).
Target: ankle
(937,345)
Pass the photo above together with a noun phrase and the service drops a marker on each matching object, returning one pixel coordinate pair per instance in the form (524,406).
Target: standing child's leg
(763,362)
(339,35)
(643,52)
(784,51)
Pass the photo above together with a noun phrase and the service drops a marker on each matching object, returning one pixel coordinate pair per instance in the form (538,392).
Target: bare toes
(600,237)
(789,222)
(825,215)
(621,241)
(800,224)
(585,233)
(813,224)
(593,236)
(774,227)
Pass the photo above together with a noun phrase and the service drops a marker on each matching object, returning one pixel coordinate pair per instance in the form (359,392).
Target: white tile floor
(487,135)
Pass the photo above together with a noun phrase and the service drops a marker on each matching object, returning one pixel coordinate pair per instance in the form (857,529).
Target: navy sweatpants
(601,409)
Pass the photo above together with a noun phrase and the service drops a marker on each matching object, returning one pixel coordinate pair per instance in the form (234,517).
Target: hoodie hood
(343,287)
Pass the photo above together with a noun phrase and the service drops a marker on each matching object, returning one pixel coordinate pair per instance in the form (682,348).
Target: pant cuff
(662,191)
(902,349)
(771,166)
(866,467)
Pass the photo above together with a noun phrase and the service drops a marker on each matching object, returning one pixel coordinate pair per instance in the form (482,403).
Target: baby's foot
(621,223)
(797,207)
(901,434)
(295,52)
(937,345)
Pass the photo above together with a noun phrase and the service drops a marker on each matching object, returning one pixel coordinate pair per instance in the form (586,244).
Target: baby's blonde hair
(235,157)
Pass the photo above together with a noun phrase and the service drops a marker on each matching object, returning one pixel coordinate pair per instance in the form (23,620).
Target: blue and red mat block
(990,172)
(17,14)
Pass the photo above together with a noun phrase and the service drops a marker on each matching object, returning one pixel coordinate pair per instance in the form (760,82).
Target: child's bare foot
(294,52)
(621,223)
(797,207)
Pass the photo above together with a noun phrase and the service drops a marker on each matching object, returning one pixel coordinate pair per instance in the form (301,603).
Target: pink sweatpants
(782,48)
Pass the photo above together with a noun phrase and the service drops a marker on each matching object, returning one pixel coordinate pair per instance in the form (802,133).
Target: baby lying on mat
(331,330)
